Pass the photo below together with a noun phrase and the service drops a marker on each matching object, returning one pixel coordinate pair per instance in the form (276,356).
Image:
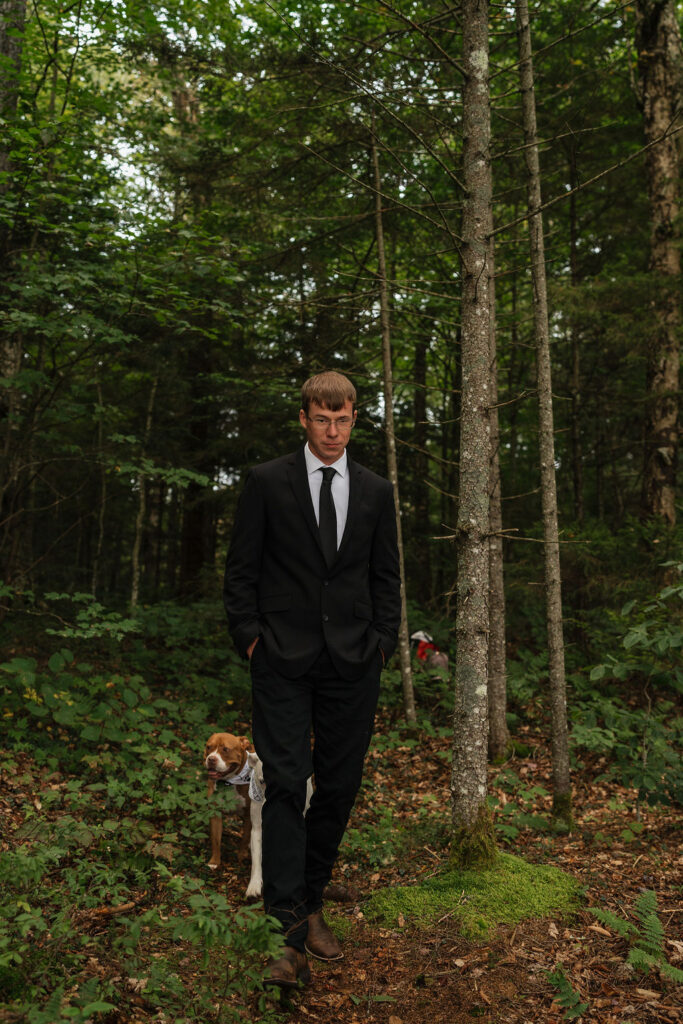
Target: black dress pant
(298,852)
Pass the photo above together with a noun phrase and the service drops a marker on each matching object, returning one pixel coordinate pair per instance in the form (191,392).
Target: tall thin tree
(562,797)
(12,23)
(499,734)
(660,62)
(392,462)
(472,841)
(142,499)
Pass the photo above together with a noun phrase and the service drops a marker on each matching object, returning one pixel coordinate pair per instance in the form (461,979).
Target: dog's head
(225,754)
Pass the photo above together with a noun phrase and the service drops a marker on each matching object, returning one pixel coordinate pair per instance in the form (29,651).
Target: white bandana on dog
(247,777)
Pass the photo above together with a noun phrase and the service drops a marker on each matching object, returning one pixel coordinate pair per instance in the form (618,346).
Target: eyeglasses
(344,422)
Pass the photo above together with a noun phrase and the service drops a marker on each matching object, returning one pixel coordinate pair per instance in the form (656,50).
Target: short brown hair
(329,390)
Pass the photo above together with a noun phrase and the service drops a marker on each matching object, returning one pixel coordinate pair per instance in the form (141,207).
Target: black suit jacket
(279,587)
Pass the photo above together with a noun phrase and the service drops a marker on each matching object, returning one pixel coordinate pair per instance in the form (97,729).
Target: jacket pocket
(362,610)
(275,602)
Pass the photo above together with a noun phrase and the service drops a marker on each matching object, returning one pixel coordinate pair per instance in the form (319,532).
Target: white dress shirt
(340,487)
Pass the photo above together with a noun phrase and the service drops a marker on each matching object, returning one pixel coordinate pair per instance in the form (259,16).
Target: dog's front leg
(255,887)
(216,827)
(215,831)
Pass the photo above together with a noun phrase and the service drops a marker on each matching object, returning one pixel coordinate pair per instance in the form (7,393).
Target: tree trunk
(12,20)
(658,41)
(473,842)
(553,588)
(197,552)
(499,735)
(97,560)
(577,453)
(421,525)
(392,464)
(142,500)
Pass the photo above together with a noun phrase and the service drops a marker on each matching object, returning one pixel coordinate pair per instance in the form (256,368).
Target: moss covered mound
(510,891)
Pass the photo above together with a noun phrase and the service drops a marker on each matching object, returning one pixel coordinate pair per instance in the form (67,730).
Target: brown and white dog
(232,760)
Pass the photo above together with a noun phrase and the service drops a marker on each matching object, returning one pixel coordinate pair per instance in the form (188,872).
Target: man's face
(327,432)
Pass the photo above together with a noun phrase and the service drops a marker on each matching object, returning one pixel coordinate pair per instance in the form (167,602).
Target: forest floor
(407,974)
(411,975)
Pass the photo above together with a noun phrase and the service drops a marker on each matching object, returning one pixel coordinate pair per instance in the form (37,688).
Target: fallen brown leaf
(600,930)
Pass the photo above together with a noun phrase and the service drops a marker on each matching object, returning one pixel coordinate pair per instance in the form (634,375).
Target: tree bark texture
(392,462)
(499,735)
(546,440)
(658,42)
(470,723)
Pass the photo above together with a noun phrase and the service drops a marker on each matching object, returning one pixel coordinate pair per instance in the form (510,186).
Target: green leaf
(56,662)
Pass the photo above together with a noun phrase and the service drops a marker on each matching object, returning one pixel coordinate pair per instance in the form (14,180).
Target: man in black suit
(312,594)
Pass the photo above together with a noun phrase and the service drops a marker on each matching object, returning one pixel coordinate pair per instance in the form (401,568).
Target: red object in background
(423,649)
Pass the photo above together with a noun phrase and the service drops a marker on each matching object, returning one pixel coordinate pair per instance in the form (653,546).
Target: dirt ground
(407,975)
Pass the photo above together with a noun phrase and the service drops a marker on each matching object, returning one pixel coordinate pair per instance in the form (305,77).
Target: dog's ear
(244,742)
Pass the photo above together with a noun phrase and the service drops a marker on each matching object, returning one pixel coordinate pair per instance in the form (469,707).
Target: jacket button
(326,583)
(325,618)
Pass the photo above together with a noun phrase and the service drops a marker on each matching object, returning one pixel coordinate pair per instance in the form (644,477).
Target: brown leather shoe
(287,970)
(321,942)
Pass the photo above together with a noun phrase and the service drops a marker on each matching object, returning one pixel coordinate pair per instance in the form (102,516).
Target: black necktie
(328,517)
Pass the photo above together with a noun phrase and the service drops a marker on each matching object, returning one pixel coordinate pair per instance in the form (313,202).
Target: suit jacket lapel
(298,479)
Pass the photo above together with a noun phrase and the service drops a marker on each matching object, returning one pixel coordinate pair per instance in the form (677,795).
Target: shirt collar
(313,463)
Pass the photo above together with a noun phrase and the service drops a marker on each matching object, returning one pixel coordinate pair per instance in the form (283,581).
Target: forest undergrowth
(109,914)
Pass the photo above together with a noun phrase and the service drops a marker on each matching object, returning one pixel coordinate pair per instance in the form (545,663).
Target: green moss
(562,810)
(520,749)
(342,927)
(512,890)
(474,847)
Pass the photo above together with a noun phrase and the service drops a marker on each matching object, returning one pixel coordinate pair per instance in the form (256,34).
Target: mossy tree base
(474,847)
(511,891)
(562,811)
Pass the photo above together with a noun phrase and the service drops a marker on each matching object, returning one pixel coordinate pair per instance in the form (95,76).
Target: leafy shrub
(375,845)
(642,741)
(520,812)
(651,640)
(118,797)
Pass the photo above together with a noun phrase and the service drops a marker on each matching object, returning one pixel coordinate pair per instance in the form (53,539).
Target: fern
(674,973)
(617,924)
(641,960)
(51,1011)
(651,937)
(647,951)
(568,998)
